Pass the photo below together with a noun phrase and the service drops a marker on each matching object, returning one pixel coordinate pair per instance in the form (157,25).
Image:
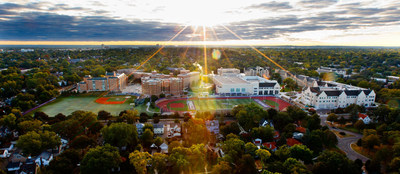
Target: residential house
(4,153)
(212,126)
(365,118)
(44,158)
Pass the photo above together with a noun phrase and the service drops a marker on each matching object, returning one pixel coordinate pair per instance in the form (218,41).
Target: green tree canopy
(120,134)
(100,160)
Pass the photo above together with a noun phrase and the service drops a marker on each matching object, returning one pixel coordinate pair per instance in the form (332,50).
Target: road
(344,143)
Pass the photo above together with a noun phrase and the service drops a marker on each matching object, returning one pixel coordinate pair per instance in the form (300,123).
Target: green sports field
(210,104)
(67,105)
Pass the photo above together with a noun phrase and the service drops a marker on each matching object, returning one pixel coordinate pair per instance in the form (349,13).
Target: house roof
(362,116)
(301,129)
(292,142)
(266,84)
(11,165)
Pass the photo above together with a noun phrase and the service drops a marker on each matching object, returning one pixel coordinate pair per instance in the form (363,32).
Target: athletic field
(212,104)
(67,105)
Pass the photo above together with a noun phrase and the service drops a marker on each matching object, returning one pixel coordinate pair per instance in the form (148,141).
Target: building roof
(98,78)
(367,92)
(362,116)
(315,89)
(333,93)
(352,92)
(229,79)
(266,84)
(158,126)
(292,142)
(301,129)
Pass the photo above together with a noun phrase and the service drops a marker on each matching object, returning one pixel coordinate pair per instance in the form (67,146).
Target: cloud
(271,6)
(317,3)
(49,26)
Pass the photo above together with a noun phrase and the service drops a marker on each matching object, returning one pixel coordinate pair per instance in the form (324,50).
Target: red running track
(282,104)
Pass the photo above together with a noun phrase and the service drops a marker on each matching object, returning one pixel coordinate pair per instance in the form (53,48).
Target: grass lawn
(143,108)
(351,129)
(341,136)
(67,105)
(361,151)
(116,98)
(217,104)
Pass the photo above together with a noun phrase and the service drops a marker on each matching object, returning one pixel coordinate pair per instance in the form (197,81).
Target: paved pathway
(344,144)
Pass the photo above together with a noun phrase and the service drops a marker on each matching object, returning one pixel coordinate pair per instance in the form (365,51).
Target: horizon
(270,23)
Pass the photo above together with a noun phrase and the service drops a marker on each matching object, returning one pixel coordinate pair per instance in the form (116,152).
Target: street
(344,143)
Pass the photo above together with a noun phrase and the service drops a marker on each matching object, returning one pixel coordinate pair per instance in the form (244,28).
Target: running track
(282,104)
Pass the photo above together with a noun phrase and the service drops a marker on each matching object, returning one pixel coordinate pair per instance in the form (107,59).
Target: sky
(141,22)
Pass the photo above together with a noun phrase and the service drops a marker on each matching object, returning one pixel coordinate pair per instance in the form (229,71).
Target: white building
(334,70)
(231,83)
(257,71)
(158,129)
(332,95)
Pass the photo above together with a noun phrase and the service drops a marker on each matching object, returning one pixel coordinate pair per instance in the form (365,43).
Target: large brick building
(110,82)
(157,86)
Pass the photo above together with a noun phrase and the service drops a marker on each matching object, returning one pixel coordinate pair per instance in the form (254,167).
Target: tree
(35,142)
(314,122)
(27,126)
(233,149)
(159,163)
(246,164)
(294,166)
(332,117)
(158,141)
(103,115)
(222,167)
(131,116)
(179,158)
(250,148)
(139,160)
(359,125)
(148,126)
(147,137)
(334,162)
(153,98)
(174,144)
(120,134)
(143,117)
(265,133)
(296,113)
(301,152)
(100,159)
(264,156)
(370,141)
(82,141)
(66,162)
(9,121)
(40,116)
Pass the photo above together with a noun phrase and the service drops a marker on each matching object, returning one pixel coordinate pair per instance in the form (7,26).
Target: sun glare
(198,13)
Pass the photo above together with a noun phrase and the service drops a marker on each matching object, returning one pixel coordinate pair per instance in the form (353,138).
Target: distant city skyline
(151,22)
